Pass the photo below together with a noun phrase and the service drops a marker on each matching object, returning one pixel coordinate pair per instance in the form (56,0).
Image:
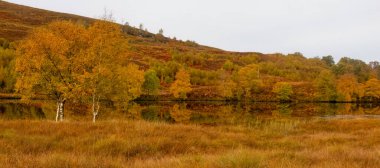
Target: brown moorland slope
(147,49)
(17,20)
(208,67)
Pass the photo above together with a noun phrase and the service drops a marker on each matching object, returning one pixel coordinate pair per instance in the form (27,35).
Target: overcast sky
(313,27)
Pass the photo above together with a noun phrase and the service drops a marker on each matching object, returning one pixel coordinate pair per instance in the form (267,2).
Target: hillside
(211,70)
(18,20)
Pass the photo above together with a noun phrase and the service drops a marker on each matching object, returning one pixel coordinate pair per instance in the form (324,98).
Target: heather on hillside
(98,92)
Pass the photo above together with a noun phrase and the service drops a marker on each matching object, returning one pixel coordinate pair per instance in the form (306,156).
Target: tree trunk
(61,104)
(95,107)
(60,110)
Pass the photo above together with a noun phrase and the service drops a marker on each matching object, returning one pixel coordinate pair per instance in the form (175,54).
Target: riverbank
(9,96)
(277,143)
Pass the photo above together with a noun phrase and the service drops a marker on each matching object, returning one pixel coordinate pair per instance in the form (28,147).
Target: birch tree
(103,56)
(48,65)
(67,62)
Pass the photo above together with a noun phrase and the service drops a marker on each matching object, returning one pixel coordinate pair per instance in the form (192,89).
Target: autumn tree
(226,86)
(347,88)
(102,60)
(151,82)
(372,89)
(228,65)
(248,80)
(181,85)
(49,63)
(328,60)
(126,83)
(227,89)
(166,71)
(69,62)
(283,91)
(326,86)
(7,62)
(353,66)
(375,65)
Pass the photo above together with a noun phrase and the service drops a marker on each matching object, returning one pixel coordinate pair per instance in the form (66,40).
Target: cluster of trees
(166,71)
(71,62)
(241,84)
(143,32)
(7,75)
(349,80)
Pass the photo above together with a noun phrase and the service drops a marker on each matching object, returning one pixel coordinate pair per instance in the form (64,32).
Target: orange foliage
(181,85)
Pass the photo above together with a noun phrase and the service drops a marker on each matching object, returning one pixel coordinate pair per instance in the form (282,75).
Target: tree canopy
(151,82)
(283,91)
(69,62)
(181,85)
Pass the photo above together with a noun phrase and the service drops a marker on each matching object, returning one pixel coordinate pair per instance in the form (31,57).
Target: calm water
(207,113)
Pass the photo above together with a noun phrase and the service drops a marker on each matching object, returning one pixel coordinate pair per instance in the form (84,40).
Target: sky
(341,28)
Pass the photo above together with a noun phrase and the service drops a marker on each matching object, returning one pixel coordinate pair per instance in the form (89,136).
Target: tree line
(72,62)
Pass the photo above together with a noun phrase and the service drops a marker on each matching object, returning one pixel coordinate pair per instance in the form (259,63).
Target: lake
(202,112)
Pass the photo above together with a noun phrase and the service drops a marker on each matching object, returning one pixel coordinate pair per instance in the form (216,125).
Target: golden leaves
(227,88)
(372,88)
(70,60)
(181,85)
(283,90)
(127,84)
(347,87)
(249,79)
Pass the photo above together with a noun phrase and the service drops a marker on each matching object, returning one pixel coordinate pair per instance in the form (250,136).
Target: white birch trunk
(60,110)
(57,115)
(95,108)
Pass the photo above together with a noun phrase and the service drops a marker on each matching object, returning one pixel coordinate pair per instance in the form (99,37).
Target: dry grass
(334,143)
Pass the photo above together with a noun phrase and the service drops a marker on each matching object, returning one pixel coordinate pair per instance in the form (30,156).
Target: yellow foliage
(69,61)
(46,60)
(249,79)
(347,87)
(372,88)
(180,114)
(283,90)
(127,83)
(227,88)
(181,85)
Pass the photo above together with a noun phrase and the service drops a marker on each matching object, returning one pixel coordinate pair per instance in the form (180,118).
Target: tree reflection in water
(204,113)
(180,113)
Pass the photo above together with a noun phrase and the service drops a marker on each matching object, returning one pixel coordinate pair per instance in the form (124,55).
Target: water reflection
(14,110)
(205,113)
